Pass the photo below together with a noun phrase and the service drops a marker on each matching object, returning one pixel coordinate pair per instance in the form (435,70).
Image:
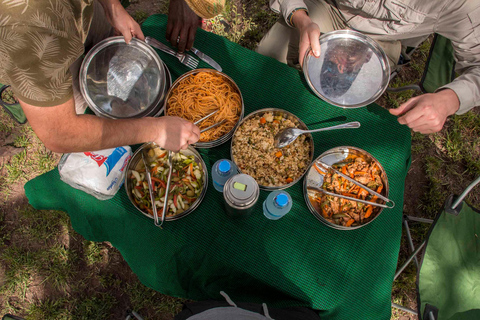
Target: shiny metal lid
(122,81)
(241,191)
(352,70)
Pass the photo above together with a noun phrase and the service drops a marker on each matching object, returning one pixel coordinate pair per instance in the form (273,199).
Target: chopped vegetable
(263,120)
(186,183)
(278,154)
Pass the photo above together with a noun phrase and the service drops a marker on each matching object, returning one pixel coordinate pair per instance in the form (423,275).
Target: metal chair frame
(415,251)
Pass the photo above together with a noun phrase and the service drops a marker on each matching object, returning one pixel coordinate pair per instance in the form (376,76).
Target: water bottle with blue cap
(277,204)
(222,170)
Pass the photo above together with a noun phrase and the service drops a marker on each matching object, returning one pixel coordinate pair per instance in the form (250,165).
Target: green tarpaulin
(449,277)
(295,261)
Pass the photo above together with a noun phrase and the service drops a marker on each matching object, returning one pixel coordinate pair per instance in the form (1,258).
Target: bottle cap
(281,199)
(224,166)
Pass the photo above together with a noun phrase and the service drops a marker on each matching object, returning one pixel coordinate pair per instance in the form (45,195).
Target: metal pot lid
(122,81)
(352,70)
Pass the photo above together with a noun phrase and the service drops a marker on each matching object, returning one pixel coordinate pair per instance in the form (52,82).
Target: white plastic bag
(100,173)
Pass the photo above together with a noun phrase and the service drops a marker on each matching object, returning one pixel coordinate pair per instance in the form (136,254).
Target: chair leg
(409,238)
(404,308)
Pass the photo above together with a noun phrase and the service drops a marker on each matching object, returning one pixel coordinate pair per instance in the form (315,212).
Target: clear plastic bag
(100,173)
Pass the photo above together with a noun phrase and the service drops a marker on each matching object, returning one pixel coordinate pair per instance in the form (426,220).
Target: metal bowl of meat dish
(121,81)
(188,183)
(253,151)
(340,213)
(198,93)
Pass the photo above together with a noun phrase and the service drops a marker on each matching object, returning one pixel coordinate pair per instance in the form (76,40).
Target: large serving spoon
(288,135)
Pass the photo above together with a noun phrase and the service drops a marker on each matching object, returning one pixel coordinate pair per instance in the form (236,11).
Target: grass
(48,271)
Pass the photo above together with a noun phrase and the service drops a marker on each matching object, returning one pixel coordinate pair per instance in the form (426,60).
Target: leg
(281,41)
(100,29)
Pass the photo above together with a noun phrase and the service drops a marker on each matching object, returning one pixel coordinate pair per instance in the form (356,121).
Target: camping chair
(439,68)
(448,275)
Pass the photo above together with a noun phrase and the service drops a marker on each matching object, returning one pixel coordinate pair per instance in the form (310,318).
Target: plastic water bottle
(222,170)
(277,204)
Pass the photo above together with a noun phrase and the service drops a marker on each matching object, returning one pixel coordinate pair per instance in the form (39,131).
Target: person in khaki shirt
(41,45)
(392,23)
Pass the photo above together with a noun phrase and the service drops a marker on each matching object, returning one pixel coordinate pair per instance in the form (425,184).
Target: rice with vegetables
(254,152)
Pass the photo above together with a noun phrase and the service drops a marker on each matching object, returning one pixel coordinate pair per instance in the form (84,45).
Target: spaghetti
(200,94)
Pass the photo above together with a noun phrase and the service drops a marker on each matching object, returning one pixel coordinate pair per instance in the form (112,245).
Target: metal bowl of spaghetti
(198,93)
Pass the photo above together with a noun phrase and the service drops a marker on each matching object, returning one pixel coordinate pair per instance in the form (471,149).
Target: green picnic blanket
(295,261)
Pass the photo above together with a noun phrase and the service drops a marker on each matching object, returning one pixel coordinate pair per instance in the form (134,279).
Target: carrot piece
(154,170)
(263,120)
(276,121)
(289,180)
(350,195)
(350,222)
(380,188)
(278,154)
(324,212)
(360,172)
(369,211)
(149,211)
(344,169)
(318,169)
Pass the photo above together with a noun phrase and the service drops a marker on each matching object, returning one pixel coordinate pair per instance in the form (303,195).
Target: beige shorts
(281,41)
(100,29)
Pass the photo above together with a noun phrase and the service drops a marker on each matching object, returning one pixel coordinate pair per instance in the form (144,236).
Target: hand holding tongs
(213,125)
(387,201)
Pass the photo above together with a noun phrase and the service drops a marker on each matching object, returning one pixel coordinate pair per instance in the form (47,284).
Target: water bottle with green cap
(277,204)
(222,170)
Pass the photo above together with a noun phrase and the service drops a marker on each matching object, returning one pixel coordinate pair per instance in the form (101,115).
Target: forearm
(90,133)
(467,89)
(61,130)
(108,5)
(287,7)
(301,19)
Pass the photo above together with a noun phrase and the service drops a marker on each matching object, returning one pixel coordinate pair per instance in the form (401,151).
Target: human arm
(121,20)
(62,130)
(182,24)
(427,113)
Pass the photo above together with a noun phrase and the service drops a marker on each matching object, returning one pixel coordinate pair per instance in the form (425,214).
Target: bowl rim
(363,38)
(341,149)
(228,135)
(137,157)
(302,125)
(120,40)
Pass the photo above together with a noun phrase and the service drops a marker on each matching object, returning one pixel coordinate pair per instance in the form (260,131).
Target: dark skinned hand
(183,23)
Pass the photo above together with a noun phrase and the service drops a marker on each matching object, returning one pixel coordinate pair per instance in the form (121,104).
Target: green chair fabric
(14,110)
(295,261)
(440,66)
(449,277)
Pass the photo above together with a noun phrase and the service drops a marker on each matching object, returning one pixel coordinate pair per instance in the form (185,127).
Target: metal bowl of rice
(253,152)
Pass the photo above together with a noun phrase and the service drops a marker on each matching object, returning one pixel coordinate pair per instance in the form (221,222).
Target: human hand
(309,35)
(427,113)
(121,21)
(182,25)
(176,133)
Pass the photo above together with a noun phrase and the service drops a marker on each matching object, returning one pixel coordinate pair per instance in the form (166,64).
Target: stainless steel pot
(292,117)
(227,136)
(315,180)
(137,158)
(121,81)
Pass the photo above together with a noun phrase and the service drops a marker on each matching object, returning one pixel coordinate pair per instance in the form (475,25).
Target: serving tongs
(388,203)
(213,125)
(150,188)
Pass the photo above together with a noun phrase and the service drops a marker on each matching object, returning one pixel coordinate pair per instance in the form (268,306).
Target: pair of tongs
(378,195)
(150,188)
(213,125)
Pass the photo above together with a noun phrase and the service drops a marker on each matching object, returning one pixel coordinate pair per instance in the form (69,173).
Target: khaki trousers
(281,41)
(100,29)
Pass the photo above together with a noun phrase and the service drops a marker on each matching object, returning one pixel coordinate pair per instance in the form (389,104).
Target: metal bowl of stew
(313,179)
